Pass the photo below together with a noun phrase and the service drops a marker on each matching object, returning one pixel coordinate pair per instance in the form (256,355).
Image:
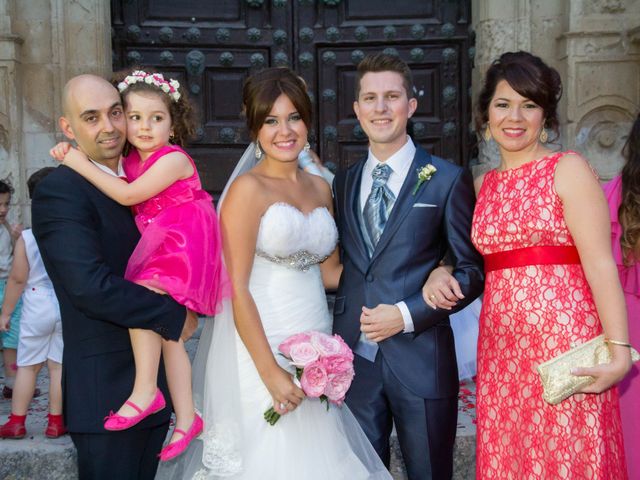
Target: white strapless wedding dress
(312,442)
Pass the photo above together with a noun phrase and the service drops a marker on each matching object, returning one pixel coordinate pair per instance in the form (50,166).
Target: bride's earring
(487,133)
(258,151)
(307,147)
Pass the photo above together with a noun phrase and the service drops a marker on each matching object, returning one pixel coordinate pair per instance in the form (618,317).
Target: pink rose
(337,364)
(325,344)
(285,346)
(303,353)
(314,379)
(337,386)
(344,348)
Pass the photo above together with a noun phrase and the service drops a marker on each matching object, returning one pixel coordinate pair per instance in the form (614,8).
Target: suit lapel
(350,208)
(404,202)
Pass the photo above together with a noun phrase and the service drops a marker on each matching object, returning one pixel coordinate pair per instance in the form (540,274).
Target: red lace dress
(529,315)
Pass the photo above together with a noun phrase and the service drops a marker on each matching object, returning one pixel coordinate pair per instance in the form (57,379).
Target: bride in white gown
(279,240)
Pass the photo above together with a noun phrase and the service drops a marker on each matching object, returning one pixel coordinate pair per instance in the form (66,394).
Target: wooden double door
(211,46)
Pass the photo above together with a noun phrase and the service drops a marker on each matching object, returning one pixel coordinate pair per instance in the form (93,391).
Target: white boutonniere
(424,175)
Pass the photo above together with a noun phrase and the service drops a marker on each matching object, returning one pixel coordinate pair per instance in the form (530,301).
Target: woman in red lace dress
(542,225)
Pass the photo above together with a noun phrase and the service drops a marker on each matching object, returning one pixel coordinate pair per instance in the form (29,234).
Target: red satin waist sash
(523,257)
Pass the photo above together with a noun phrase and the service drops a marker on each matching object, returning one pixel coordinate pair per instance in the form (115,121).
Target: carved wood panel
(212,46)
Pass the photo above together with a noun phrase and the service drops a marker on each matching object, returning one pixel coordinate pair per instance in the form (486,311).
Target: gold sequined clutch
(557,381)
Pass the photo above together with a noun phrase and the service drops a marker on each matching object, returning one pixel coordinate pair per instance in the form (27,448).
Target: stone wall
(43,43)
(594,44)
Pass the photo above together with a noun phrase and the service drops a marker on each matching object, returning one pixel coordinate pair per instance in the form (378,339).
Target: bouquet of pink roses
(324,366)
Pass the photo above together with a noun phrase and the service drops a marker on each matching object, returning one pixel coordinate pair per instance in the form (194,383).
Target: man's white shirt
(400,162)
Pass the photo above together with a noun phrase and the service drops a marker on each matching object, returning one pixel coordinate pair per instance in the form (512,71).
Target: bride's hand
(286,395)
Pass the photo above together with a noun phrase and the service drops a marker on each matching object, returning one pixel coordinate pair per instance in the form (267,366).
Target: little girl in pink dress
(179,252)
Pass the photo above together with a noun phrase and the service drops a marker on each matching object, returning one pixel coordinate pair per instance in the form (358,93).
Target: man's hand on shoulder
(190,325)
(381,322)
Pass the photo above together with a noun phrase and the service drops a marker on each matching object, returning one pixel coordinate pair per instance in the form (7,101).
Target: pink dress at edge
(179,251)
(630,386)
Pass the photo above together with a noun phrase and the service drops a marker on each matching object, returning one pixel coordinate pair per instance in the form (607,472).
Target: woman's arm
(167,170)
(587,216)
(442,290)
(331,268)
(15,284)
(240,219)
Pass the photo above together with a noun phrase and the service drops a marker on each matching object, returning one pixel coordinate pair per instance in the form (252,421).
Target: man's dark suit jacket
(85,239)
(422,228)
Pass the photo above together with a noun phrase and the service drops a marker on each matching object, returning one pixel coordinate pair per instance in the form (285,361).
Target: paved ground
(37,457)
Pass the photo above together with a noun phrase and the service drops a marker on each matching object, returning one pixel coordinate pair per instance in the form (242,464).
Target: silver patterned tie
(375,215)
(379,203)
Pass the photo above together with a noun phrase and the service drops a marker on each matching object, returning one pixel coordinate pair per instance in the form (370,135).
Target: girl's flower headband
(170,87)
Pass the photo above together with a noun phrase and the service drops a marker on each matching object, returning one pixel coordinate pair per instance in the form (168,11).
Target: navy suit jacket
(420,231)
(85,239)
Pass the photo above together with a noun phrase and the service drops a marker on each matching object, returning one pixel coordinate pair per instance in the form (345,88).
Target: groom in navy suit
(396,226)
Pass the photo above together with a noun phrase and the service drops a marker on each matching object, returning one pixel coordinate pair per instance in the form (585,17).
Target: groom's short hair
(382,62)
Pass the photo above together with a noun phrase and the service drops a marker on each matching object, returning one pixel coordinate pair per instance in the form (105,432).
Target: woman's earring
(258,151)
(544,136)
(307,147)
(487,134)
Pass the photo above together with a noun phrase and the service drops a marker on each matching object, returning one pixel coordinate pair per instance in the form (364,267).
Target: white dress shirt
(400,162)
(106,169)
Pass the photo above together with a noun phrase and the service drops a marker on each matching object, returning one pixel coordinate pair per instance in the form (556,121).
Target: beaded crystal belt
(301,260)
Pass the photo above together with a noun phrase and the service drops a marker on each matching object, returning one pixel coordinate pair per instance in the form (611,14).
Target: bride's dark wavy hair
(263,88)
(629,211)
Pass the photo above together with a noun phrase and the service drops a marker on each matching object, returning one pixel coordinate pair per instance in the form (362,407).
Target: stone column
(601,49)
(61,39)
(11,164)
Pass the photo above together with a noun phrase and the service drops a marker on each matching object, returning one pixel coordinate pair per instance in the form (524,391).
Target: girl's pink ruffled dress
(630,386)
(180,248)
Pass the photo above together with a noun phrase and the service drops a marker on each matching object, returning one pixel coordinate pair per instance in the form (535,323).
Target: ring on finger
(432,297)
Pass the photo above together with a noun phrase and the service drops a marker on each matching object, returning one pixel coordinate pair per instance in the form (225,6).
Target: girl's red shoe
(14,428)
(55,427)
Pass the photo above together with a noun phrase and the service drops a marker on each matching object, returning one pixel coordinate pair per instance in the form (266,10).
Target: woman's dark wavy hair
(530,77)
(629,211)
(183,117)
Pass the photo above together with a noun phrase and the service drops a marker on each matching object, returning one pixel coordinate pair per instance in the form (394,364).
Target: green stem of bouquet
(271,416)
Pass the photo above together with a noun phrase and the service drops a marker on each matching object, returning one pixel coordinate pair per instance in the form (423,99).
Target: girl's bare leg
(9,357)
(178,369)
(23,388)
(147,346)
(55,387)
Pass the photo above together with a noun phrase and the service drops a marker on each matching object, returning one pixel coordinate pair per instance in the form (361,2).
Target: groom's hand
(381,322)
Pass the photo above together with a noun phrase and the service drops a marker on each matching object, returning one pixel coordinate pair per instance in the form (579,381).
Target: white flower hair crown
(170,87)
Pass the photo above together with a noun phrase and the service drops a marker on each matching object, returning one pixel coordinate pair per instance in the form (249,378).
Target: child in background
(40,331)
(179,250)
(8,236)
